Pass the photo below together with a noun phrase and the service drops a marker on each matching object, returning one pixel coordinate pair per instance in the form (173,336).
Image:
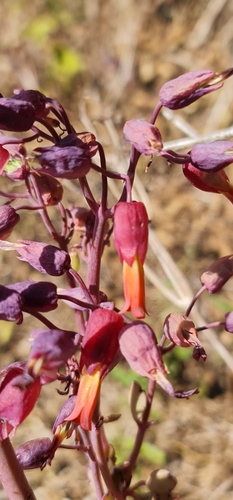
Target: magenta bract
(131,231)
(144,136)
(45,258)
(212,156)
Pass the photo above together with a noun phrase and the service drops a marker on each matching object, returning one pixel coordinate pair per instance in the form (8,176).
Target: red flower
(100,352)
(131,240)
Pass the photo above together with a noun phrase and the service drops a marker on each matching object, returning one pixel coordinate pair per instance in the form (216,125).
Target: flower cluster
(80,360)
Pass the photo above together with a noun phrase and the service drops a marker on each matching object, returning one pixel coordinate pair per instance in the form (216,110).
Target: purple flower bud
(217,274)
(70,159)
(35,98)
(16,115)
(144,136)
(47,259)
(10,305)
(187,88)
(34,454)
(229,322)
(37,295)
(212,156)
(8,219)
(50,350)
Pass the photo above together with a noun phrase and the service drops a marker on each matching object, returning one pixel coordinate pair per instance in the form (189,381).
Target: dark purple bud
(45,258)
(187,88)
(65,160)
(37,295)
(145,357)
(217,274)
(8,220)
(212,156)
(35,98)
(181,331)
(50,350)
(16,115)
(18,395)
(144,136)
(34,454)
(10,305)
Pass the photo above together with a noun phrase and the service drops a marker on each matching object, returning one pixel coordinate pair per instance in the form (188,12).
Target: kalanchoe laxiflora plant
(80,360)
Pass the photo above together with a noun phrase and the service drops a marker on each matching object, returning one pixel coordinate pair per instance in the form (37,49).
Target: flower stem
(12,476)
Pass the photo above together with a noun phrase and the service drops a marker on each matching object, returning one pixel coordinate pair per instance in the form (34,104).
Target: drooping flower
(187,88)
(16,115)
(214,182)
(131,241)
(99,354)
(138,345)
(36,295)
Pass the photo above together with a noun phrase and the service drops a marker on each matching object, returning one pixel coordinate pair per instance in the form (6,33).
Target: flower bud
(50,350)
(47,259)
(51,190)
(161,481)
(217,274)
(36,295)
(212,156)
(144,136)
(8,220)
(10,305)
(16,115)
(34,454)
(187,88)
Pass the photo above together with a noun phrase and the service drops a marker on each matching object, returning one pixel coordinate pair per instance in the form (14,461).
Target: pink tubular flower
(187,88)
(131,241)
(99,354)
(144,136)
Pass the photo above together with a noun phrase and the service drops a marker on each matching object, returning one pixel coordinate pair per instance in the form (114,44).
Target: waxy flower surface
(131,241)
(212,156)
(99,354)
(213,182)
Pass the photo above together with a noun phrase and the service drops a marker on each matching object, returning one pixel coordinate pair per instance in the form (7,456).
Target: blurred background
(105,61)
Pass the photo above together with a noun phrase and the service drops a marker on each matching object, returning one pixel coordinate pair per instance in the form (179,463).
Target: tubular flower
(99,354)
(213,182)
(131,240)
